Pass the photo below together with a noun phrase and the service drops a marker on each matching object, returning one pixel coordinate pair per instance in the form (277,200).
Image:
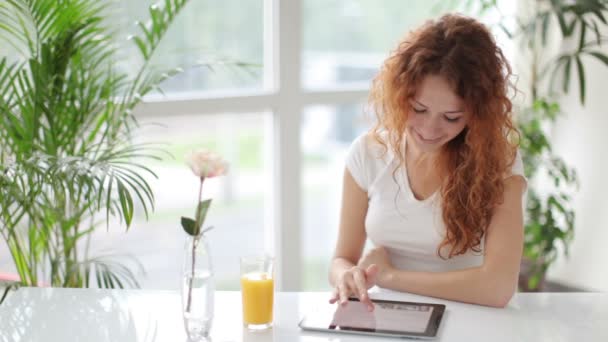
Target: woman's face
(436,115)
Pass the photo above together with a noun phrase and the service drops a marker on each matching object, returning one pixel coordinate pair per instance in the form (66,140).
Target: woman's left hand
(379,257)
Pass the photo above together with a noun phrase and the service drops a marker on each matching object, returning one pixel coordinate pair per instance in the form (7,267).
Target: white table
(34,314)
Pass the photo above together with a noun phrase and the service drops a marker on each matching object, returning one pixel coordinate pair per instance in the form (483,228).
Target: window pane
(327,132)
(345,41)
(237,210)
(205,31)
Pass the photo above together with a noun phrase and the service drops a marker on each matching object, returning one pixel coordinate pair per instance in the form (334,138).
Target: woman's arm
(351,230)
(346,277)
(491,284)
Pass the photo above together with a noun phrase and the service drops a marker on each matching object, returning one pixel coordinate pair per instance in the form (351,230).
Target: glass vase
(197,289)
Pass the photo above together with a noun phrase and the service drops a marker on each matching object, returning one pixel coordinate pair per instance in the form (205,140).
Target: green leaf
(98,277)
(581,79)
(572,27)
(504,29)
(158,24)
(600,15)
(110,272)
(581,42)
(552,201)
(146,32)
(201,212)
(109,282)
(544,28)
(119,284)
(143,49)
(169,8)
(598,35)
(562,21)
(189,226)
(126,202)
(566,81)
(7,289)
(555,68)
(137,183)
(602,57)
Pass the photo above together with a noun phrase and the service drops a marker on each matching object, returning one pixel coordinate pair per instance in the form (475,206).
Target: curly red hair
(473,164)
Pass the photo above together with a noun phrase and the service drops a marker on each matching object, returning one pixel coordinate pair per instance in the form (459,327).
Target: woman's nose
(431,127)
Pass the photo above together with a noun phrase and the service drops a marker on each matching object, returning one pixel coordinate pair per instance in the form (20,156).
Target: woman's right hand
(355,282)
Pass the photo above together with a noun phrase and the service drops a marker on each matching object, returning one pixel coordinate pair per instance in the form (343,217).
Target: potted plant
(549,216)
(67,158)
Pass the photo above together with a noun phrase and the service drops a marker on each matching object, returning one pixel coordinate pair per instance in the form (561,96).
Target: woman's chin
(426,145)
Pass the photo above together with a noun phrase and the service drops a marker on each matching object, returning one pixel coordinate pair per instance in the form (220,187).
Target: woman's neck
(416,157)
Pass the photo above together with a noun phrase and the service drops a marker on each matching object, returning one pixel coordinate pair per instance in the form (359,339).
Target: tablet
(389,318)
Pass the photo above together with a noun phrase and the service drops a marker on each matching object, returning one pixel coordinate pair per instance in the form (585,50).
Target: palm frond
(6,288)
(161,17)
(109,272)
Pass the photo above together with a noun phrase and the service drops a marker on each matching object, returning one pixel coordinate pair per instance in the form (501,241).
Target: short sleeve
(356,161)
(517,169)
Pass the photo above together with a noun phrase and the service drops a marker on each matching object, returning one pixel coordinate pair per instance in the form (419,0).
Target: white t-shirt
(410,229)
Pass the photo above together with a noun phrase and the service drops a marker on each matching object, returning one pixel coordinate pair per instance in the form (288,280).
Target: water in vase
(198,316)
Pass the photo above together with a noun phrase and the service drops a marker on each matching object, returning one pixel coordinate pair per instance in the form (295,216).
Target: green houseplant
(68,160)
(550,217)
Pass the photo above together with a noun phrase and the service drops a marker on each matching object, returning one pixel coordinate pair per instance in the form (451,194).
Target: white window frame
(285,98)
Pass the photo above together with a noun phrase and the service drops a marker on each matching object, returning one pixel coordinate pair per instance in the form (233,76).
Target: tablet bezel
(432,327)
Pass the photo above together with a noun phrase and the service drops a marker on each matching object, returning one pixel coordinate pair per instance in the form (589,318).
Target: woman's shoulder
(373,145)
(367,157)
(516,165)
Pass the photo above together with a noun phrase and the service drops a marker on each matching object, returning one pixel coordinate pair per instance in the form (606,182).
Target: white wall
(581,138)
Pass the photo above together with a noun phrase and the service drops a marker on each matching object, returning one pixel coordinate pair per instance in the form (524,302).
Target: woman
(437,185)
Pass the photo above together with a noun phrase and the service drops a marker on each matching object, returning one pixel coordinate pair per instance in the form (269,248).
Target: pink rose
(206,164)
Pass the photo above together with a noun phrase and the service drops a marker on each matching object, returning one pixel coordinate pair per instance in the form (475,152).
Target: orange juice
(257,289)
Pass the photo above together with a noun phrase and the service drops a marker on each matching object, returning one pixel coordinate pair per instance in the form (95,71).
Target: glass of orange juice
(257,289)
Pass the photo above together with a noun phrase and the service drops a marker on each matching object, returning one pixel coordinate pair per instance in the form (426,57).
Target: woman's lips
(427,141)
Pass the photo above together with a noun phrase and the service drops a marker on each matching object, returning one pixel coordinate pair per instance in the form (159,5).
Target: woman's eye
(417,110)
(448,119)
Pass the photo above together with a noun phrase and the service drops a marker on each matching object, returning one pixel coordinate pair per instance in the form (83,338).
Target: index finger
(334,296)
(360,281)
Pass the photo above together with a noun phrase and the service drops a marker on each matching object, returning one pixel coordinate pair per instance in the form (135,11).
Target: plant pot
(529,270)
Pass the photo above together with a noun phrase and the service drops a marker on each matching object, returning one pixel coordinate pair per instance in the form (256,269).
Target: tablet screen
(389,317)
